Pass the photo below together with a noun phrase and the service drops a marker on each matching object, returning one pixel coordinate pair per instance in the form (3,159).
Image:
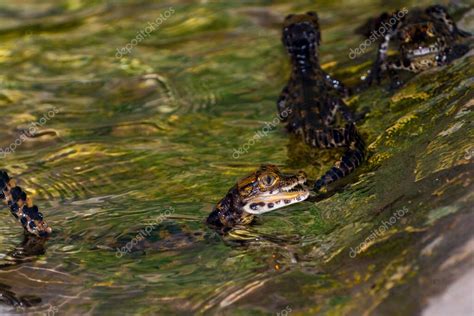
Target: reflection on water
(30,247)
(157,128)
(9,298)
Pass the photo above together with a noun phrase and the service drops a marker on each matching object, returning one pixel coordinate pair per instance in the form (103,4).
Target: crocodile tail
(373,24)
(21,207)
(352,158)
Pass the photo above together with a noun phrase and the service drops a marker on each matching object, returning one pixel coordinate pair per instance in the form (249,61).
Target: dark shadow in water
(175,235)
(30,247)
(165,236)
(9,298)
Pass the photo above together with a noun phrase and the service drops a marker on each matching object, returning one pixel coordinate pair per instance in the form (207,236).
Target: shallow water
(144,145)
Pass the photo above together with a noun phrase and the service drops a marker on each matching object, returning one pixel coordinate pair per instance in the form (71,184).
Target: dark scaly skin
(263,191)
(422,39)
(312,98)
(22,208)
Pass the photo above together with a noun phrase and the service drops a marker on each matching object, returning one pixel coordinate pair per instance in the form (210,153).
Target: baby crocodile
(310,104)
(22,207)
(420,40)
(263,191)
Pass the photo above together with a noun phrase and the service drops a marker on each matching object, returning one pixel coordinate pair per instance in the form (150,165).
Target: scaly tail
(22,207)
(351,159)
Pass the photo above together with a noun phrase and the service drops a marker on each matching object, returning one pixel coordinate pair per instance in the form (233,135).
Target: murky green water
(143,145)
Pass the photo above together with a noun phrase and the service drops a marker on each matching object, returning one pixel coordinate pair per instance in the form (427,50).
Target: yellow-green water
(145,141)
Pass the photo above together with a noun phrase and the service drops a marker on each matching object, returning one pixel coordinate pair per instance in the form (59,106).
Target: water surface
(143,143)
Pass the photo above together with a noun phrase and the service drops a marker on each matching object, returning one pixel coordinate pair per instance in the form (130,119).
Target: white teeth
(424,50)
(288,188)
(292,186)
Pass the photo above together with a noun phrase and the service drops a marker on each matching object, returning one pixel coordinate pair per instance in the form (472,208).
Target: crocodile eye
(405,36)
(267,180)
(430,30)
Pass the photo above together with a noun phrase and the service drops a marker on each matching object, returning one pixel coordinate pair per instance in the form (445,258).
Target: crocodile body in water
(318,115)
(413,41)
(312,108)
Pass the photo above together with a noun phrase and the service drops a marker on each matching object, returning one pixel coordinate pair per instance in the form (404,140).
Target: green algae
(158,127)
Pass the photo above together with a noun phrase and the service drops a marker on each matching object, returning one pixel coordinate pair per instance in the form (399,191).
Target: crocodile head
(420,40)
(301,35)
(265,190)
